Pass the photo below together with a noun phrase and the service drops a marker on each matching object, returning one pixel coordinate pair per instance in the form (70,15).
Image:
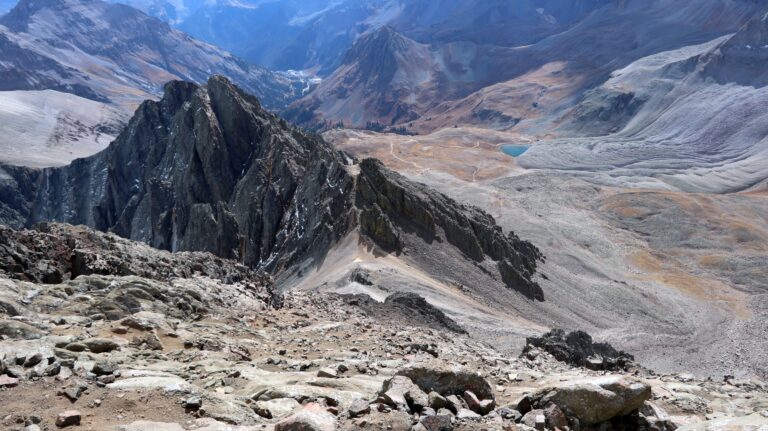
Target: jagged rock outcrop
(208,169)
(394,209)
(577,349)
(51,253)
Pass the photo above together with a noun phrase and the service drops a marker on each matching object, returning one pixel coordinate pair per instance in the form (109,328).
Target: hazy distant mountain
(284,34)
(57,52)
(697,111)
(389,79)
(293,34)
(170,11)
(495,22)
(111,52)
(467,70)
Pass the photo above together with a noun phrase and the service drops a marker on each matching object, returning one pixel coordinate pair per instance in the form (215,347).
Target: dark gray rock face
(577,349)
(741,59)
(207,169)
(17,187)
(392,207)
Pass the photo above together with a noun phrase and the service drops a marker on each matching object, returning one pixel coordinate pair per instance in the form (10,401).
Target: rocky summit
(208,169)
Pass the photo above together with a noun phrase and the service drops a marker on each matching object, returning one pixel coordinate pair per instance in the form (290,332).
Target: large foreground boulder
(595,400)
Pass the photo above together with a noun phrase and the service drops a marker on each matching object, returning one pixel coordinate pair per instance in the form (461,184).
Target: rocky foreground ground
(99,333)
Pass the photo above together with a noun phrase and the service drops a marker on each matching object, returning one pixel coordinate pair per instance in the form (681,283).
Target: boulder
(76,347)
(434,376)
(277,408)
(328,373)
(103,368)
(555,417)
(73,392)
(359,408)
(596,400)
(19,330)
(578,349)
(193,403)
(401,393)
(100,345)
(482,407)
(509,413)
(313,417)
(8,382)
(437,423)
(33,360)
(437,401)
(534,419)
(454,403)
(467,414)
(68,418)
(147,341)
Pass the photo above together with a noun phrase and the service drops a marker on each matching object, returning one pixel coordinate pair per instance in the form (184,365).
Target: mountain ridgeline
(206,168)
(114,53)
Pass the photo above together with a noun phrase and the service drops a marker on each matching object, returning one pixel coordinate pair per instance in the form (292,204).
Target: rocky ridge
(192,352)
(208,169)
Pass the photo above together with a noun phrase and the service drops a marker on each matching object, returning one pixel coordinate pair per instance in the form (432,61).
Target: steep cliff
(207,169)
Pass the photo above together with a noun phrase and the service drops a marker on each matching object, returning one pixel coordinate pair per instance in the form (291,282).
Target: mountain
(389,79)
(170,11)
(110,52)
(685,119)
(314,35)
(504,79)
(74,70)
(490,22)
(208,169)
(282,35)
(378,78)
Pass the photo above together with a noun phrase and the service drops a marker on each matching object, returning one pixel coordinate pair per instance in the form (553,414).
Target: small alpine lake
(514,150)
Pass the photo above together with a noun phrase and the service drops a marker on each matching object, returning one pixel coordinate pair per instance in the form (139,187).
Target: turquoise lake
(514,150)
